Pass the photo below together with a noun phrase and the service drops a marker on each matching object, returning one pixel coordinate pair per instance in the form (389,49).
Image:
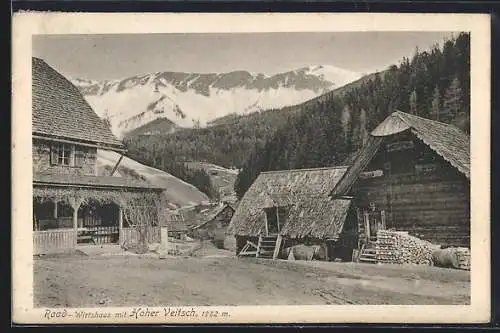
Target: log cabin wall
(420,192)
(42,163)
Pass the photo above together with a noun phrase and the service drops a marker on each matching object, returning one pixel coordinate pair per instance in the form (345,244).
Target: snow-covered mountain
(191,99)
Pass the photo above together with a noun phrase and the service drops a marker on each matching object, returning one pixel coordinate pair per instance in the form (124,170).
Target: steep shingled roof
(60,111)
(446,140)
(311,212)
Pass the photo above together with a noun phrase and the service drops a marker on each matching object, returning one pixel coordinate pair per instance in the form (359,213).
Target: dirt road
(79,281)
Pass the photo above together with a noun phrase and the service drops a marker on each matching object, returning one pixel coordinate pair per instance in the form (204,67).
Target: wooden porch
(62,233)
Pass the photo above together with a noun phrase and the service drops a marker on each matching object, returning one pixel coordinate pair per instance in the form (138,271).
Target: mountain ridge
(195,99)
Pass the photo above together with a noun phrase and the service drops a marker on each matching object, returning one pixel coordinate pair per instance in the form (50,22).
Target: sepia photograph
(193,175)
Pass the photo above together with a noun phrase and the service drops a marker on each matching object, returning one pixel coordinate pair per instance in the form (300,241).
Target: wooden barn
(411,175)
(71,203)
(215,224)
(285,208)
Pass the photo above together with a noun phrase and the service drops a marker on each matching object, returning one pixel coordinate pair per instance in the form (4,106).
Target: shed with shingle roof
(310,212)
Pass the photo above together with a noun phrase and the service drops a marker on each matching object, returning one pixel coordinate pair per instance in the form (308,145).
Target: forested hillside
(227,143)
(433,84)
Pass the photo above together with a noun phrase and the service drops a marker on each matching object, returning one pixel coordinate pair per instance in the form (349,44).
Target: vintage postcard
(251,168)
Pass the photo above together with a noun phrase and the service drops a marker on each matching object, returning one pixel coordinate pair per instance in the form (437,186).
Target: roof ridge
(60,109)
(423,118)
(306,169)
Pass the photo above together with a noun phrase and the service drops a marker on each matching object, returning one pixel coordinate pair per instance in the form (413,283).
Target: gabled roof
(446,140)
(304,192)
(174,221)
(214,214)
(60,111)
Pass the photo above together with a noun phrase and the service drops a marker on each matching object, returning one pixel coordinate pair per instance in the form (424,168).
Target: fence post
(120,225)
(75,204)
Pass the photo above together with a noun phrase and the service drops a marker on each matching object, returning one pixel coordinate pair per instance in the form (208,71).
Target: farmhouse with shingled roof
(412,175)
(71,203)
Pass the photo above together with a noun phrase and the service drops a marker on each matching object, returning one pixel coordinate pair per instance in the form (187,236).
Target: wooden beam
(382,217)
(267,228)
(120,224)
(251,244)
(75,203)
(277,247)
(278,218)
(76,142)
(258,247)
(116,165)
(55,209)
(367,225)
(75,224)
(95,186)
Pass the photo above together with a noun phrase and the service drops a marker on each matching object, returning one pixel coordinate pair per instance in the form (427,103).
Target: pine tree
(363,131)
(452,101)
(413,102)
(435,109)
(345,120)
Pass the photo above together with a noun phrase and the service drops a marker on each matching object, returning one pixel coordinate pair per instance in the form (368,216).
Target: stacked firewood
(398,247)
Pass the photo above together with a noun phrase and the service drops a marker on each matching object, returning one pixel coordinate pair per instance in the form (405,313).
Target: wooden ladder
(368,253)
(269,246)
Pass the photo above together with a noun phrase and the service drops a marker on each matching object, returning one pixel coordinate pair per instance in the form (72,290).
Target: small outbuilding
(215,224)
(290,207)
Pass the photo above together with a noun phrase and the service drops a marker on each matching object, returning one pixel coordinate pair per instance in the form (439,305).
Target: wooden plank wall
(131,235)
(54,241)
(432,209)
(430,204)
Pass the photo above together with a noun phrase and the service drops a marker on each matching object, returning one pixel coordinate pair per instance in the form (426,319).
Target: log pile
(452,257)
(398,247)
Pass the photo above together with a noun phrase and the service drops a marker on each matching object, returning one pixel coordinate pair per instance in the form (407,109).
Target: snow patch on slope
(176,191)
(191,99)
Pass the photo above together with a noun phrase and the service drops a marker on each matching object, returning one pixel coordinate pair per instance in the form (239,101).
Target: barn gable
(447,141)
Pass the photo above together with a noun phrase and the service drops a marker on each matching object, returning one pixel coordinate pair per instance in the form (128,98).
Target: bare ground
(212,278)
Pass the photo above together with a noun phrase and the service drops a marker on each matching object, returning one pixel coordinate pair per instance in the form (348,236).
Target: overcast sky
(118,56)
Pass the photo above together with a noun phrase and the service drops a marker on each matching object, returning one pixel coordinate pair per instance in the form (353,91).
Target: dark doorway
(275,219)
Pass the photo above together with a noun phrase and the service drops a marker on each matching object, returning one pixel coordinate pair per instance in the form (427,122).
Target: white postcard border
(26,24)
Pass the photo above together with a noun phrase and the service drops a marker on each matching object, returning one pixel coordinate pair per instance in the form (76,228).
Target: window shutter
(53,155)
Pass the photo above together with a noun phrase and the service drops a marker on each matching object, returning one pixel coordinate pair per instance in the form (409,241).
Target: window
(67,155)
(62,154)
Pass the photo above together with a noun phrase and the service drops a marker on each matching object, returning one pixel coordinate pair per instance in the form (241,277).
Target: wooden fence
(54,241)
(131,235)
(102,235)
(65,240)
